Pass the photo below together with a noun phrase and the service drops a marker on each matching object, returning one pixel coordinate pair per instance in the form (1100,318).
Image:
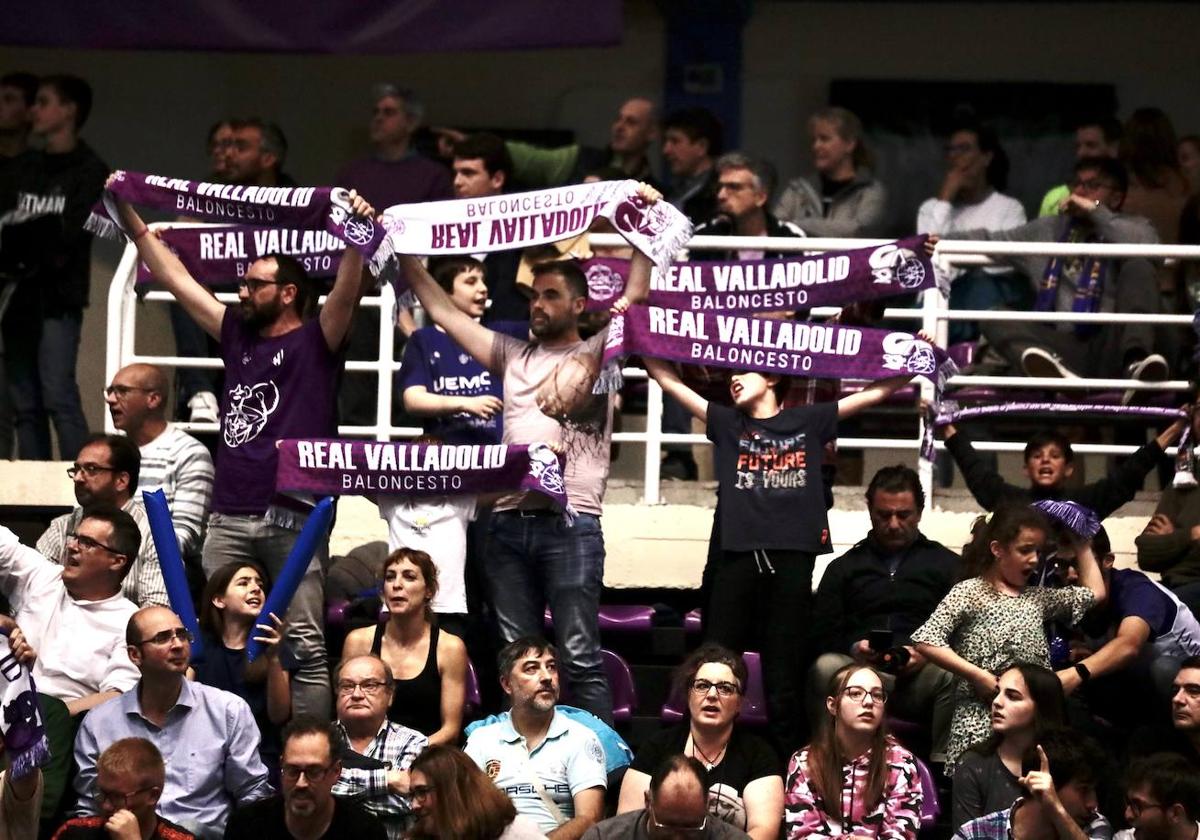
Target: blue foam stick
(162,529)
(315,529)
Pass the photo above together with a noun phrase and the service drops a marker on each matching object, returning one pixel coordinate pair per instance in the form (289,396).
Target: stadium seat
(473,700)
(619,618)
(693,622)
(754,701)
(931,808)
(620,682)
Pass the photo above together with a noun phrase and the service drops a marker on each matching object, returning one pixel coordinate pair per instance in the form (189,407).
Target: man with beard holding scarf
(281,369)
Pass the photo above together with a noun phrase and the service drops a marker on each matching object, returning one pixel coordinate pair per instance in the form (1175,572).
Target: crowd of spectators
(988,677)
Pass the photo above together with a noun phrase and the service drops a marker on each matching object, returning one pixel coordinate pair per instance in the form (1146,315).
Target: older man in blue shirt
(207,736)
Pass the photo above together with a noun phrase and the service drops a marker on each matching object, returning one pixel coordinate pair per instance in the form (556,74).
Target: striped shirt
(181,467)
(144,583)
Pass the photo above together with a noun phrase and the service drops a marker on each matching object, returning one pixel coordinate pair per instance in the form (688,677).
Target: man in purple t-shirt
(534,558)
(280,370)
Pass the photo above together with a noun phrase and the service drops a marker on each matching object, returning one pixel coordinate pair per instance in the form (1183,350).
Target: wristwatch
(1082,670)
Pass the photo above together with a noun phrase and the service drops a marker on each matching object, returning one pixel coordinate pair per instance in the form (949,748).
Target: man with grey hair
(257,154)
(394,173)
(375,771)
(744,186)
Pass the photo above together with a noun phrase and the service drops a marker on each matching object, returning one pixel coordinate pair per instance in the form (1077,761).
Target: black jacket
(1103,496)
(722,226)
(859,594)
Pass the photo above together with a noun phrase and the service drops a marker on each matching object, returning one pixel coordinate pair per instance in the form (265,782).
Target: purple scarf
(306,208)
(833,278)
(948,411)
(1088,287)
(358,468)
(22,724)
(218,255)
(787,348)
(519,220)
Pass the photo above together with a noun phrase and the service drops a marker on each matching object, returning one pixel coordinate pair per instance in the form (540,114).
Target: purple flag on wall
(347,26)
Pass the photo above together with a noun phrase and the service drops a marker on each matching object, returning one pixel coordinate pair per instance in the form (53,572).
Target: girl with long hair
(1028,702)
(993,619)
(229,615)
(454,800)
(430,666)
(853,779)
(744,785)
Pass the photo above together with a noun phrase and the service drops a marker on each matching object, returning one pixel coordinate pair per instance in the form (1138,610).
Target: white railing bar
(159,296)
(654,438)
(1057,317)
(1070,384)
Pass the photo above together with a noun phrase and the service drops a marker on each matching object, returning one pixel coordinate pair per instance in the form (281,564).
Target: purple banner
(834,278)
(360,468)
(307,208)
(788,348)
(216,255)
(345,27)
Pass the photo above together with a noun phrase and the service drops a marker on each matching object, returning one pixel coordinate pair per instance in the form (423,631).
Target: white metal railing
(933,315)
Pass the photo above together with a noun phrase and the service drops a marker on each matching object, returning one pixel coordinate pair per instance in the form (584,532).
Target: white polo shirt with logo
(568,761)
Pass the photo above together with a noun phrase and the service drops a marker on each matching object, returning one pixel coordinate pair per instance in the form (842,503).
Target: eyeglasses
(724,689)
(420,793)
(858,694)
(675,830)
(293,772)
(168,636)
(89,470)
(123,391)
(367,687)
(87,542)
(118,800)
(1136,806)
(1092,184)
(253,284)
(733,186)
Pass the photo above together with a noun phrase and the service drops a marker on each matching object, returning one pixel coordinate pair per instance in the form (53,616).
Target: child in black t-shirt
(770,523)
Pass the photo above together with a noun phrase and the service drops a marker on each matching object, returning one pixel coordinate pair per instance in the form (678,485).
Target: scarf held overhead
(519,220)
(833,278)
(215,255)
(307,208)
(357,467)
(787,348)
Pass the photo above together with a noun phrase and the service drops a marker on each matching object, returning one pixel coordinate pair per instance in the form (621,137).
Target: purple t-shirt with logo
(281,387)
(434,360)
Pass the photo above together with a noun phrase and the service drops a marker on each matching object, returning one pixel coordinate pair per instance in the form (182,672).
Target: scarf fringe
(103,226)
(610,379)
(1083,521)
(28,760)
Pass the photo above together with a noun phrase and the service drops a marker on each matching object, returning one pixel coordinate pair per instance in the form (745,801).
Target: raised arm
(473,337)
(348,286)
(665,375)
(873,394)
(195,299)
(1090,575)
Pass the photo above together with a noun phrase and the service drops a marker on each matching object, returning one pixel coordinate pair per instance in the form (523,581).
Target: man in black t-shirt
(872,598)
(307,809)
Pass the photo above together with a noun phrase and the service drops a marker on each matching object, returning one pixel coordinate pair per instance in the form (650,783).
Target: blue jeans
(40,359)
(539,559)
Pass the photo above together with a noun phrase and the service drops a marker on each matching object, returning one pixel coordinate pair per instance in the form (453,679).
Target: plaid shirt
(396,747)
(998,826)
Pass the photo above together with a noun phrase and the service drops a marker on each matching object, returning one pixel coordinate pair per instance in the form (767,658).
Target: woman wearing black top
(745,785)
(229,612)
(430,667)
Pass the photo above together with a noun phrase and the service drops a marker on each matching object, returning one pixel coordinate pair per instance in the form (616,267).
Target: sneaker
(1153,368)
(1045,365)
(204,408)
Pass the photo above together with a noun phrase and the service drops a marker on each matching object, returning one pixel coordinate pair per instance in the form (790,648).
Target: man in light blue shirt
(208,737)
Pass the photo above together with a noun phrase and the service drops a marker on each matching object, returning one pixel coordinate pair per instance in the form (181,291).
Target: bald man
(676,806)
(172,460)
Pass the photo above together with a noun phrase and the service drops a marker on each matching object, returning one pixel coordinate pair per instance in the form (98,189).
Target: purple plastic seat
(693,623)
(621,618)
(931,808)
(335,614)
(962,353)
(754,701)
(906,731)
(620,683)
(473,699)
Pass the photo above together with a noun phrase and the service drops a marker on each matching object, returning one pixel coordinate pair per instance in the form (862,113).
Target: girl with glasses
(454,800)
(744,785)
(853,779)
